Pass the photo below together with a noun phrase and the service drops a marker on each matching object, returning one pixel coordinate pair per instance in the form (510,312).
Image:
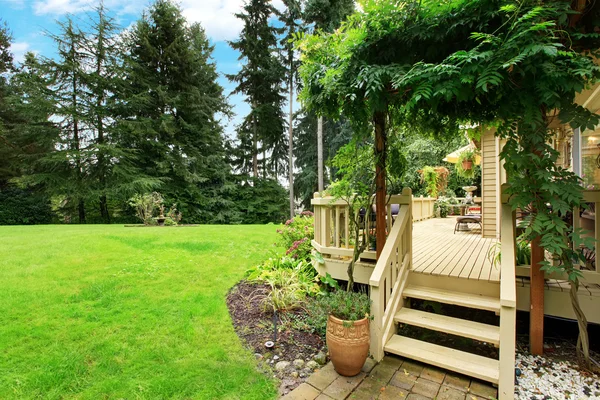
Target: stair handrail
(508,299)
(389,277)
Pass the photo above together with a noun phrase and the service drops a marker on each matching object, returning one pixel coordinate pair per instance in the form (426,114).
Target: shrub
(24,207)
(291,281)
(342,304)
(146,205)
(296,235)
(443,205)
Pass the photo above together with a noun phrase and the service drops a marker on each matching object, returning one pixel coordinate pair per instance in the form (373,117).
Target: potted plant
(466,159)
(348,321)
(348,331)
(464,164)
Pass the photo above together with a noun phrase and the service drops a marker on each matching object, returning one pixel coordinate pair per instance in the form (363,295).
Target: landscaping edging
(296,354)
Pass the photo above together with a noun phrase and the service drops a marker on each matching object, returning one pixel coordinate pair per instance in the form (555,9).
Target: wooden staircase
(393,282)
(455,360)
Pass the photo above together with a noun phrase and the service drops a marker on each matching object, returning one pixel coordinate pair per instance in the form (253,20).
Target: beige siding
(489,180)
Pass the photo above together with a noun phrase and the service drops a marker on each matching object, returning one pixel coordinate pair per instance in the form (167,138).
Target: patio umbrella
(453,157)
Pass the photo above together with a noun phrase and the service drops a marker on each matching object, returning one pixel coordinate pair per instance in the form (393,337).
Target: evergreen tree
(170,114)
(326,15)
(291,17)
(64,169)
(6,65)
(336,135)
(103,48)
(260,80)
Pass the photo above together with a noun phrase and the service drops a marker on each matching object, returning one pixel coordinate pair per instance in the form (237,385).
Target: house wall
(489,184)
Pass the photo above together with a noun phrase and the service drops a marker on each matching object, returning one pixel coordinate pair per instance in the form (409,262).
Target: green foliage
(356,186)
(345,305)
(260,80)
(451,70)
(430,177)
(148,207)
(335,135)
(296,236)
(466,156)
(24,207)
(523,252)
(263,202)
(443,206)
(170,120)
(291,281)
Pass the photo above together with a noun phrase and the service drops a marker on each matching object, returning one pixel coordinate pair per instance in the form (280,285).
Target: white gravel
(542,378)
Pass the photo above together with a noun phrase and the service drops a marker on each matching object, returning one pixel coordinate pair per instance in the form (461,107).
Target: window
(590,158)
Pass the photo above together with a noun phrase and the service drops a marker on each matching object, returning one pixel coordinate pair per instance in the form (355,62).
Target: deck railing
(334,236)
(508,302)
(588,221)
(389,276)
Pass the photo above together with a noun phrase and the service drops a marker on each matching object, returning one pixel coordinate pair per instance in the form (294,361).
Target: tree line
(118,112)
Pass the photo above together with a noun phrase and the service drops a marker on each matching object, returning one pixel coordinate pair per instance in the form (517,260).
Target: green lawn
(107,312)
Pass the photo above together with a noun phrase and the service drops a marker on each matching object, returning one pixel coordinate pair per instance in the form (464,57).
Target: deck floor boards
(464,254)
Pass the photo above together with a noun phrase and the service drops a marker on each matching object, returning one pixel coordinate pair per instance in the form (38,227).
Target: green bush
(348,306)
(24,207)
(296,235)
(443,205)
(291,281)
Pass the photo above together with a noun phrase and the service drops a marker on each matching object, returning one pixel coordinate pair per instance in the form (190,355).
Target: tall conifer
(260,80)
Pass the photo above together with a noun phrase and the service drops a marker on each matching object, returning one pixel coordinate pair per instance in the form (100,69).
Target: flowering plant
(297,234)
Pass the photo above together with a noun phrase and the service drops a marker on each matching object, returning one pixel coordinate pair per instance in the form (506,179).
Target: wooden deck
(464,254)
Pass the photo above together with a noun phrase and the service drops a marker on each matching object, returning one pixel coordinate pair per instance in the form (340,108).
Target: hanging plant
(435,180)
(464,165)
(430,179)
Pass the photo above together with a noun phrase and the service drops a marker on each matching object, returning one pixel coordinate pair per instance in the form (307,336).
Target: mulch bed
(254,325)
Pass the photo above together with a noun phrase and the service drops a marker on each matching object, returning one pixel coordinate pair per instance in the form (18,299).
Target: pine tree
(104,66)
(326,15)
(291,18)
(260,80)
(66,169)
(169,118)
(6,65)
(336,135)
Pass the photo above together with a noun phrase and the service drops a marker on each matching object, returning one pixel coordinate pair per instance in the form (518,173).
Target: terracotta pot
(348,345)
(466,164)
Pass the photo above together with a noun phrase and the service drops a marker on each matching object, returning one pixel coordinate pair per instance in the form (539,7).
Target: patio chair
(467,219)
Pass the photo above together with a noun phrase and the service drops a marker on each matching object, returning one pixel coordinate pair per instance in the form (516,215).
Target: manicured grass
(108,312)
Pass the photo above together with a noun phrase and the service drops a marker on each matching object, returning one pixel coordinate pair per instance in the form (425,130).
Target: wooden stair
(473,365)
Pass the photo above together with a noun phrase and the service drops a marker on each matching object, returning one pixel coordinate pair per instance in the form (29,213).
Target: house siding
(489,184)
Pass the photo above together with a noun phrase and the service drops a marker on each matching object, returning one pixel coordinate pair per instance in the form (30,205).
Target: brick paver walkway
(393,378)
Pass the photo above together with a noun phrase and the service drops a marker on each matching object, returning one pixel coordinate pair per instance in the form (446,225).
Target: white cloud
(59,7)
(18,49)
(216,16)
(16,4)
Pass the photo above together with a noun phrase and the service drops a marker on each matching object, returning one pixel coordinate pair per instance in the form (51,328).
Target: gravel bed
(542,378)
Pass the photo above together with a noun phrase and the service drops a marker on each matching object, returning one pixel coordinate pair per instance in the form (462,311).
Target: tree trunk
(254,144)
(81,208)
(583,341)
(291,148)
(536,312)
(104,214)
(380,183)
(320,153)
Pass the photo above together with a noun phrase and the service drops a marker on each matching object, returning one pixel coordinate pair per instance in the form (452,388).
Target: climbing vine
(435,65)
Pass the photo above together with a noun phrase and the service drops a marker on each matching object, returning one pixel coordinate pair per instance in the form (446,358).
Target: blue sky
(29,19)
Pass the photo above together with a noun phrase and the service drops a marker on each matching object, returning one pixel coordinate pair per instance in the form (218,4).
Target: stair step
(450,297)
(479,367)
(455,326)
